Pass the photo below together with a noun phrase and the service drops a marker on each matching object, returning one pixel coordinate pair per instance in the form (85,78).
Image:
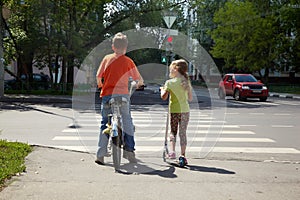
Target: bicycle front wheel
(116,148)
(116,152)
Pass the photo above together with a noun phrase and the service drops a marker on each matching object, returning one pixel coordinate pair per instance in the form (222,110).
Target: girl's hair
(182,67)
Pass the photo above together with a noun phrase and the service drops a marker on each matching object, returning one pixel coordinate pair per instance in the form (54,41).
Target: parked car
(39,81)
(241,87)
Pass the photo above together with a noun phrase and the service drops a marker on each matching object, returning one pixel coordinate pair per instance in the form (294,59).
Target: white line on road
(160,125)
(282,114)
(143,131)
(256,113)
(282,126)
(141,149)
(151,139)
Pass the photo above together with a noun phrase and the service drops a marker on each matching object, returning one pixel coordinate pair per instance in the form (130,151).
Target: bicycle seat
(119,101)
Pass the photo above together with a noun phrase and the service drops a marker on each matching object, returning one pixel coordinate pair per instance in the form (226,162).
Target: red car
(241,87)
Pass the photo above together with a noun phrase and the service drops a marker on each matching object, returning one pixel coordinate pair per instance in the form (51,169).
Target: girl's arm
(164,93)
(190,95)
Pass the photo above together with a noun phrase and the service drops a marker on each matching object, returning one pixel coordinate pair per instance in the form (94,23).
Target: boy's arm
(137,77)
(100,74)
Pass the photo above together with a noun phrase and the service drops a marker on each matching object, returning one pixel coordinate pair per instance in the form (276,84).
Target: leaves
(248,37)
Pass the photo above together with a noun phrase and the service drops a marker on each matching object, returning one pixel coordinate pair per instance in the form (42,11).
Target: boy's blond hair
(120,41)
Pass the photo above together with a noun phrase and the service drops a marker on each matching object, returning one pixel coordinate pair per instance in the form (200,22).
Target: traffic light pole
(1,55)
(167,65)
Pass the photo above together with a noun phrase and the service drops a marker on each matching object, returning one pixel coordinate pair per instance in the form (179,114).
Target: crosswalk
(206,134)
(272,102)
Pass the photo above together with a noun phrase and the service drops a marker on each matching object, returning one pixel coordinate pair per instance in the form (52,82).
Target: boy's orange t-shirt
(116,70)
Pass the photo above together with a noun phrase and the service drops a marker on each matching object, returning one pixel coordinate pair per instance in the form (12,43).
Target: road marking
(227,149)
(256,113)
(282,114)
(159,121)
(191,125)
(74,130)
(160,139)
(141,149)
(269,103)
(248,125)
(227,132)
(282,126)
(162,130)
(290,103)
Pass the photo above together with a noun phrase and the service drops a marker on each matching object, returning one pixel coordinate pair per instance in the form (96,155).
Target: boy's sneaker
(100,161)
(130,156)
(172,155)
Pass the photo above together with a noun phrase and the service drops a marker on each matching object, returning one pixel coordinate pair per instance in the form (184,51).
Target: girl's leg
(174,128)
(182,131)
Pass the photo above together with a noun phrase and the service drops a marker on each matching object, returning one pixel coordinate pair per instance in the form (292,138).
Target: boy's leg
(128,130)
(103,138)
(128,133)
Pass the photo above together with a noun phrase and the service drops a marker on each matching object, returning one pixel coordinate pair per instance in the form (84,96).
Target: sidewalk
(59,175)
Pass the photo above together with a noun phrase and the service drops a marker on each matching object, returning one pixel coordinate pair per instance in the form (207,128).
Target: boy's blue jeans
(127,126)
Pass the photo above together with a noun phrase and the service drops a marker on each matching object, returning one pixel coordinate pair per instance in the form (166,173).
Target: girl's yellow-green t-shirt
(178,96)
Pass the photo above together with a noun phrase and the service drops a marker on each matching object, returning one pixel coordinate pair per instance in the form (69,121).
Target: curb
(287,96)
(35,99)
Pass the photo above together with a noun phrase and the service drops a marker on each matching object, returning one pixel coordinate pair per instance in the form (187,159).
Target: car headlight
(264,88)
(244,87)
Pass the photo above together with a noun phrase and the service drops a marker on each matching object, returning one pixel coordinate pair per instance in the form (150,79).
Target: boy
(112,77)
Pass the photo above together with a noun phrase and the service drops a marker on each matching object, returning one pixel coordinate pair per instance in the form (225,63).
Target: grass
(288,88)
(12,159)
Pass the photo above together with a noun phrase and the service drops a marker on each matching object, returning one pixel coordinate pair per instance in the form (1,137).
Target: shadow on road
(209,169)
(166,171)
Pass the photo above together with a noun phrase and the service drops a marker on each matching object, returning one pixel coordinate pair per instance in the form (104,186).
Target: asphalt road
(223,129)
(249,150)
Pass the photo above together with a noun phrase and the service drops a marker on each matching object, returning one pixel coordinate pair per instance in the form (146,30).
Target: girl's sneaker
(172,155)
(182,161)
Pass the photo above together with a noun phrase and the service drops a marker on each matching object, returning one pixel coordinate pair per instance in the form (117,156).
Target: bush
(12,159)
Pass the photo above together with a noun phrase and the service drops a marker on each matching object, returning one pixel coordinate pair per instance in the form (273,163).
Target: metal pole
(1,55)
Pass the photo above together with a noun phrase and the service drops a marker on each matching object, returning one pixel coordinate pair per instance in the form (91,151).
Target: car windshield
(243,78)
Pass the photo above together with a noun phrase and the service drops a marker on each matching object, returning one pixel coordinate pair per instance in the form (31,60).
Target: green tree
(245,39)
(46,33)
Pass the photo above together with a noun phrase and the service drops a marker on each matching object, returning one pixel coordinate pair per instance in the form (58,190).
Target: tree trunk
(70,73)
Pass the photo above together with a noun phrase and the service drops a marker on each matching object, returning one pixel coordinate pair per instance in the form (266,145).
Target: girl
(179,90)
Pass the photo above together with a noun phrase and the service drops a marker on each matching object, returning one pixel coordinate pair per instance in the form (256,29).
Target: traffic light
(164,59)
(169,43)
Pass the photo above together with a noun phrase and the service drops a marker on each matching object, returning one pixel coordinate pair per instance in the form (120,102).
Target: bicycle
(114,126)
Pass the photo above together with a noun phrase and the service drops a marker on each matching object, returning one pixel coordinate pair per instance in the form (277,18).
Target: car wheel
(236,95)
(221,93)
(263,98)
